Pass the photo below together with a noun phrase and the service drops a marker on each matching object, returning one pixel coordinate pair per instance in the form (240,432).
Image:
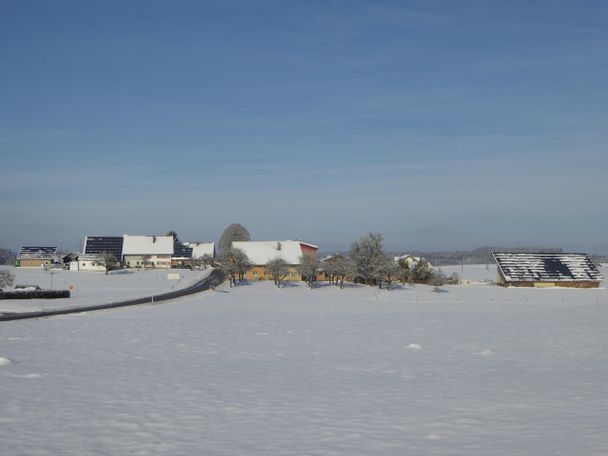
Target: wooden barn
(574,270)
(36,257)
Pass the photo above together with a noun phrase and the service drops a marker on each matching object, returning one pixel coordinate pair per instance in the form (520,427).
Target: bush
(7,278)
(35,294)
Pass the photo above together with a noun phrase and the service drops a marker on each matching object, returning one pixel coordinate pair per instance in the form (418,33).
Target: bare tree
(7,278)
(454,278)
(384,269)
(308,268)
(338,268)
(7,256)
(234,263)
(279,269)
(234,232)
(366,252)
(173,233)
(437,279)
(207,260)
(107,260)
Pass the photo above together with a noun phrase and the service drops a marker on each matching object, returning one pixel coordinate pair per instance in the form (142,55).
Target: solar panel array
(546,267)
(180,250)
(94,245)
(36,252)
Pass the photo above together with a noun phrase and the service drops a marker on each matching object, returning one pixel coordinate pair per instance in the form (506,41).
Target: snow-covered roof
(546,267)
(147,245)
(201,248)
(261,252)
(36,253)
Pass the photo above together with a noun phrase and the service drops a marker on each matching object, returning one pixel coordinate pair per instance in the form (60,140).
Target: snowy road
(94,288)
(257,370)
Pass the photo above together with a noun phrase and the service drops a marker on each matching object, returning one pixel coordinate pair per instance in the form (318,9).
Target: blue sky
(441,125)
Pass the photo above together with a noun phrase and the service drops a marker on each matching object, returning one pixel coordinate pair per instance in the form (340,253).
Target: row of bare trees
(373,267)
(366,263)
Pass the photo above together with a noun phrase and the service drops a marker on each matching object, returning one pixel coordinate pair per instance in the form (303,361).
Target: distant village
(295,260)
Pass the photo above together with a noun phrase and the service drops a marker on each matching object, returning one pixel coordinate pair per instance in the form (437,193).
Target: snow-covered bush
(7,278)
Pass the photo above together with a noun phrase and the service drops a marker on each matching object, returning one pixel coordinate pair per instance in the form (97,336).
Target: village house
(97,245)
(411,260)
(574,270)
(261,252)
(200,249)
(188,252)
(87,262)
(147,251)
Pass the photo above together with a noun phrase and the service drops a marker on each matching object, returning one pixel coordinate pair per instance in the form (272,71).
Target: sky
(441,125)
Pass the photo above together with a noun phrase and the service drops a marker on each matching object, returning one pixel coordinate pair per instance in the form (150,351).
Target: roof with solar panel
(94,245)
(180,250)
(546,267)
(35,253)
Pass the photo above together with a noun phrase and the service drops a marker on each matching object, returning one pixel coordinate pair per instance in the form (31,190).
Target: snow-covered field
(472,272)
(255,370)
(88,288)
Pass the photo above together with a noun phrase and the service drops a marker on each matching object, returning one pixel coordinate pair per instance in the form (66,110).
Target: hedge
(35,294)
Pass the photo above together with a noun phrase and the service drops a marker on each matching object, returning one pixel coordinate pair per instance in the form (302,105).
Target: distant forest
(480,255)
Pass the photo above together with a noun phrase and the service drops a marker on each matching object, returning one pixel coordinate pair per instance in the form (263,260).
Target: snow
(88,288)
(147,245)
(257,370)
(472,272)
(200,249)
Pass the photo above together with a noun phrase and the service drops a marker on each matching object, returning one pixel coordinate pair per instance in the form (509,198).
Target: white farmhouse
(147,251)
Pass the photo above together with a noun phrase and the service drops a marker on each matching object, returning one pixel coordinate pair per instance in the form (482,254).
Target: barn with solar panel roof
(574,270)
(36,257)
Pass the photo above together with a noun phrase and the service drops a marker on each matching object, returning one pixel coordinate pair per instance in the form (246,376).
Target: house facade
(261,252)
(89,263)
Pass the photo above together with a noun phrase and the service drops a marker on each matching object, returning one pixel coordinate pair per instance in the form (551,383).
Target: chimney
(153,239)
(278,245)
